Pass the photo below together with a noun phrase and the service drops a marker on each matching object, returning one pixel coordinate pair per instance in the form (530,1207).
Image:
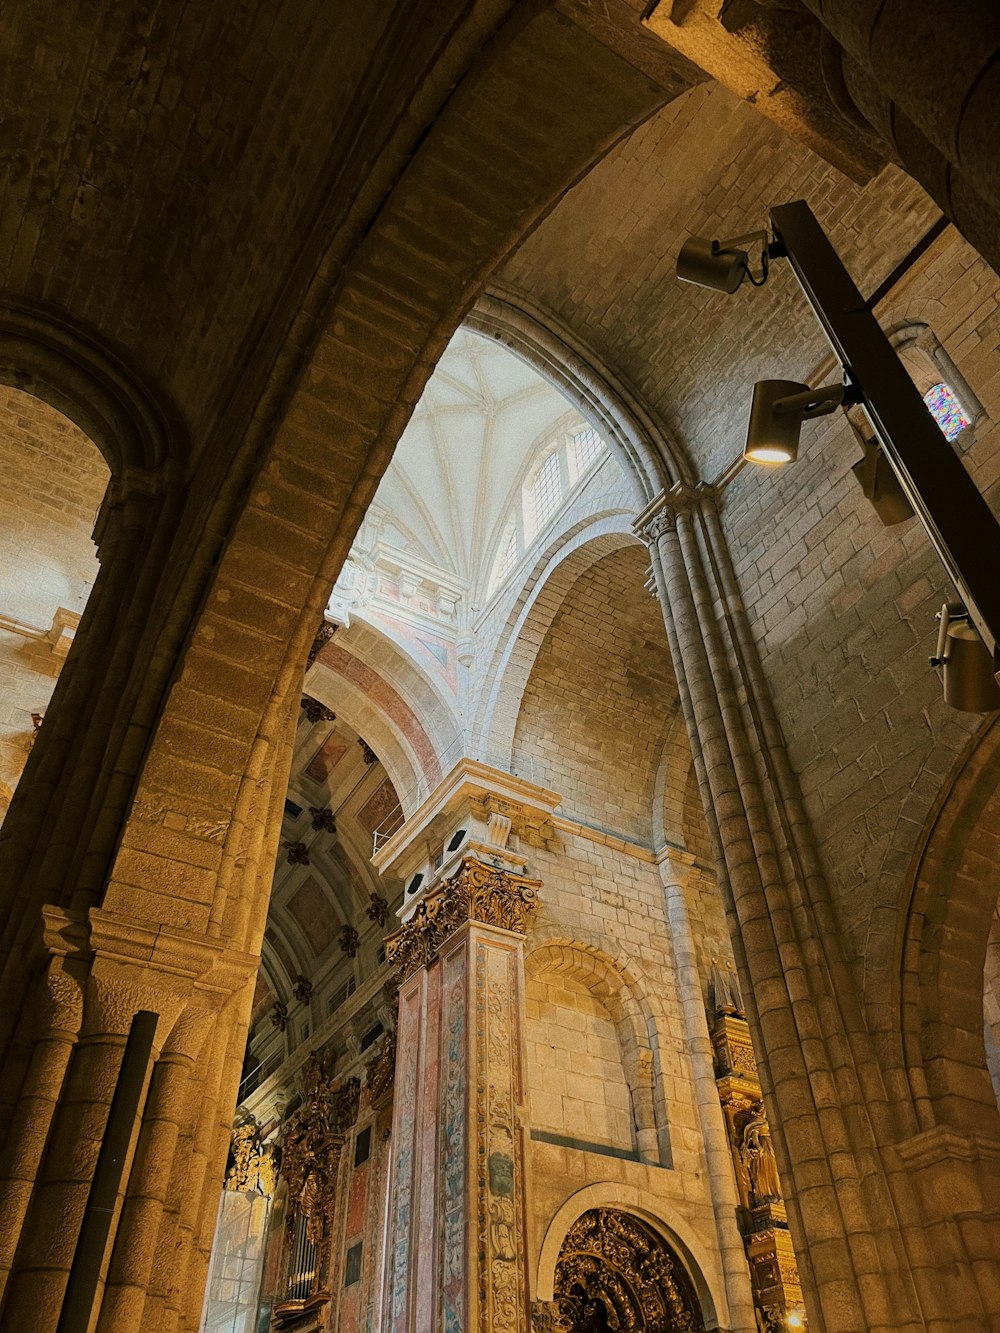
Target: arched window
(506,556)
(946,410)
(949,399)
(565,464)
(542,495)
(585,448)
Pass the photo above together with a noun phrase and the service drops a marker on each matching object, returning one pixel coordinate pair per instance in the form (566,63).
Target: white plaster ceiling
(462,456)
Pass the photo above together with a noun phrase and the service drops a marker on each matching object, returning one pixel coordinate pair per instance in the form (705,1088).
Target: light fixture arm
(816,402)
(961,527)
(738,242)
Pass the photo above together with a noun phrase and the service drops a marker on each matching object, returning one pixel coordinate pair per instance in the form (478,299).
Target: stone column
(456,1243)
(802,1005)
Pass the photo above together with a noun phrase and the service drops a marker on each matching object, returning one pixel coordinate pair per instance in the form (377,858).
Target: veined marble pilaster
(457,1215)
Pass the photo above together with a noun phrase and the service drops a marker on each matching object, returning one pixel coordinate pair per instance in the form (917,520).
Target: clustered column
(802,1004)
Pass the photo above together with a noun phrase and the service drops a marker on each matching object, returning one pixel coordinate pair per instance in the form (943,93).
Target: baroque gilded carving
(612,1266)
(253,1163)
(316,711)
(311,1145)
(758,1156)
(546,1317)
(324,634)
(476,892)
(774,1276)
(378,908)
(381,1069)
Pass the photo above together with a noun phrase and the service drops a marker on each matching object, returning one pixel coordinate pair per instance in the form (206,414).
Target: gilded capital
(478,892)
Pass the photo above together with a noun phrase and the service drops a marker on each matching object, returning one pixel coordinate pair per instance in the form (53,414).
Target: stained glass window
(946,410)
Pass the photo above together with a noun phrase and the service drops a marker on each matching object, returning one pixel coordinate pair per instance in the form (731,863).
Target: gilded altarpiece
(457,1211)
(774,1275)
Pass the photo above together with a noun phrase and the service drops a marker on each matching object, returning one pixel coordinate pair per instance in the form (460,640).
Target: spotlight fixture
(929,478)
(777,412)
(722,265)
(966,666)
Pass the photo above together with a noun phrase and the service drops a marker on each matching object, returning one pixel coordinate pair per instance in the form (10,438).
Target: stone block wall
(52,481)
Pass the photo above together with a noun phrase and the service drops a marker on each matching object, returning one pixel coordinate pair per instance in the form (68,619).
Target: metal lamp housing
(707,264)
(967,668)
(772,435)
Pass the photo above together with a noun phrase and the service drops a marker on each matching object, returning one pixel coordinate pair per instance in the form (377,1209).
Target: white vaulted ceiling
(463,455)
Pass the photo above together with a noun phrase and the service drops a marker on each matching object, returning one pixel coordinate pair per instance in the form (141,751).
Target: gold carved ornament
(476,892)
(252,1162)
(613,1265)
(311,1148)
(380,1071)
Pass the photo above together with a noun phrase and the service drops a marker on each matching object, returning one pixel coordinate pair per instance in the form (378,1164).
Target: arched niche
(659,1224)
(555,571)
(615,1270)
(598,1015)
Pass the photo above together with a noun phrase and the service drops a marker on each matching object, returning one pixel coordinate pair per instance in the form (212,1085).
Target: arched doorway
(615,1273)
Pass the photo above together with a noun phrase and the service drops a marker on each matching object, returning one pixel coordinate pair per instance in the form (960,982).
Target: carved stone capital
(476,892)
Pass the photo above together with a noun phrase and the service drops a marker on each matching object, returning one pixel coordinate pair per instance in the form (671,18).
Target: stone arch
(386,697)
(555,574)
(644,450)
(613,981)
(72,370)
(945,930)
(670,817)
(657,1213)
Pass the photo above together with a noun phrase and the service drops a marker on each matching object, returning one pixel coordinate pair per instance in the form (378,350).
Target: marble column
(457,1251)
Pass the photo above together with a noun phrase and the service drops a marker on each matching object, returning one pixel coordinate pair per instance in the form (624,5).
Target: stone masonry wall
(52,480)
(842,609)
(600,698)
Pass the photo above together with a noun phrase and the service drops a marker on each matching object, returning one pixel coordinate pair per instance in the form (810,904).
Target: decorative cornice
(476,892)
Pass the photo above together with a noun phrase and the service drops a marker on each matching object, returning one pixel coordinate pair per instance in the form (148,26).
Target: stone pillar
(802,1006)
(456,1243)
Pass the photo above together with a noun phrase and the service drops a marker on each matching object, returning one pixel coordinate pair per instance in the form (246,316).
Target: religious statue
(727,998)
(758,1156)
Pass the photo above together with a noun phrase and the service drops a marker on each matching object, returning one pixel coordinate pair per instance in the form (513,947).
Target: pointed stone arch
(943,943)
(517,650)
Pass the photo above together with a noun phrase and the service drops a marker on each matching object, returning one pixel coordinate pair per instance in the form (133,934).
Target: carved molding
(380,1071)
(476,892)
